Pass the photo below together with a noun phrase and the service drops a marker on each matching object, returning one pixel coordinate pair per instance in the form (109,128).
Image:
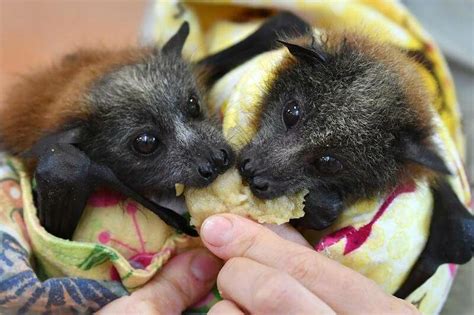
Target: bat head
(347,115)
(149,124)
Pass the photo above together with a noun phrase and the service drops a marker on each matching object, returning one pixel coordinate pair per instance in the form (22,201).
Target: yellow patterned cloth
(116,237)
(119,240)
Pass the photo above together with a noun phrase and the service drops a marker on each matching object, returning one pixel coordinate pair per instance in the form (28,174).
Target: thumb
(182,282)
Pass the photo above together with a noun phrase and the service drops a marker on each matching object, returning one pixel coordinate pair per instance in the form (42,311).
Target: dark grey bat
(347,118)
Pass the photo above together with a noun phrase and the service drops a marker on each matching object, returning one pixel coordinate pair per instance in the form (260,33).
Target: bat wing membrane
(62,188)
(451,238)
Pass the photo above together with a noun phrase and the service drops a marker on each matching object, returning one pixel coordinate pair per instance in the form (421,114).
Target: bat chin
(169,200)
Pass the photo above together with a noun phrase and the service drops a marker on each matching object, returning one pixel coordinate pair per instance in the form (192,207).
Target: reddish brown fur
(44,101)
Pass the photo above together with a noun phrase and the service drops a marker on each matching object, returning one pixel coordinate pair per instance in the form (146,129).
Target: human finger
(225,307)
(343,289)
(260,289)
(184,280)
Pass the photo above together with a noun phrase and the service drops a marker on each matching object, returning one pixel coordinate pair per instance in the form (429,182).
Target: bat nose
(258,182)
(245,169)
(216,162)
(207,170)
(221,158)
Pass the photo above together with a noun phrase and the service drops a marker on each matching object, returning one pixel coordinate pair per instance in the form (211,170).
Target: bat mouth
(170,200)
(171,209)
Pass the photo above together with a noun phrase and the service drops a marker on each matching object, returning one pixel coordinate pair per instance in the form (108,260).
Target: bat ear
(300,52)
(414,150)
(176,42)
(70,136)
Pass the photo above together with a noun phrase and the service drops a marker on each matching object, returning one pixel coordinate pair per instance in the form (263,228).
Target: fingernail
(217,230)
(205,267)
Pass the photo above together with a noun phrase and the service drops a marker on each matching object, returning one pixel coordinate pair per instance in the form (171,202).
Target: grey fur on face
(152,97)
(353,109)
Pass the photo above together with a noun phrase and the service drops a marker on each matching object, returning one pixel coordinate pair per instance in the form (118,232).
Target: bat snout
(262,185)
(215,163)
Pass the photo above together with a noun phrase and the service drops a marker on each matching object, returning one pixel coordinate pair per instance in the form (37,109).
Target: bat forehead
(153,90)
(356,103)
(160,81)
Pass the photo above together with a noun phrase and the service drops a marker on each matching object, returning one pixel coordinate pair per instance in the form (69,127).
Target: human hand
(267,274)
(182,282)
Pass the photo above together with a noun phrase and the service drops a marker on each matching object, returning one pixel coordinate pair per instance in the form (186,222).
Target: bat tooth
(179,189)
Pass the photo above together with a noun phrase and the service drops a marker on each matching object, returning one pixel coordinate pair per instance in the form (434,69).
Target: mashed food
(228,194)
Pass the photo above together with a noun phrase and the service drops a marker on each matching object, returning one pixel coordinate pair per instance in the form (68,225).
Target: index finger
(343,289)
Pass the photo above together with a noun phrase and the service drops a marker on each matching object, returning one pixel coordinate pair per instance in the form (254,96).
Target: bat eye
(145,143)
(291,113)
(194,107)
(329,165)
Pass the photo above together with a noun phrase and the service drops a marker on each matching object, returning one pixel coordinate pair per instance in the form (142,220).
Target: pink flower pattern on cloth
(105,198)
(355,238)
(125,232)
